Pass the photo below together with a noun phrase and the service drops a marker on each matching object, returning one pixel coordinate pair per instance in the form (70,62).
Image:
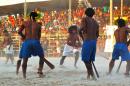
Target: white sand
(62,76)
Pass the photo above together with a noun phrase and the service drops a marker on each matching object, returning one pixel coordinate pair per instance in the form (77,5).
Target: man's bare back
(32,30)
(121,35)
(31,45)
(7,39)
(120,47)
(89,32)
(90,29)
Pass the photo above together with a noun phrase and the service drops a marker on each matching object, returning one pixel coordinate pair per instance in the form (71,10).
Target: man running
(89,32)
(8,46)
(31,44)
(73,45)
(120,48)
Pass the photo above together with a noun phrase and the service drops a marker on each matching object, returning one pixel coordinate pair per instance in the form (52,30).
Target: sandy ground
(62,76)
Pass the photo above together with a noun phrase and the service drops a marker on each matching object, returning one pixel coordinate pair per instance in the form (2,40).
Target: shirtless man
(31,44)
(89,32)
(120,48)
(8,47)
(73,45)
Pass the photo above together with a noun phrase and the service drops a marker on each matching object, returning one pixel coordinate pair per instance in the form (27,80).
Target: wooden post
(25,9)
(69,13)
(111,12)
(121,8)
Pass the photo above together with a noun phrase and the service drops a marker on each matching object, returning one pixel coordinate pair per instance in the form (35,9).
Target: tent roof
(51,5)
(100,3)
(43,5)
(10,2)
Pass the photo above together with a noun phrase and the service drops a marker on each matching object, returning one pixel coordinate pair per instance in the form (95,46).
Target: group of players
(87,33)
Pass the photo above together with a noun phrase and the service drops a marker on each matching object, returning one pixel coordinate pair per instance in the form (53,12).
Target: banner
(110,39)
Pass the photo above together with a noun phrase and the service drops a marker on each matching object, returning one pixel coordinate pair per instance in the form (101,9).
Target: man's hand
(2,46)
(22,39)
(81,35)
(128,42)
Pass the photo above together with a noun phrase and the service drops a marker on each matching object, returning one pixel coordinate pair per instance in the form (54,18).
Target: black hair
(33,15)
(121,22)
(72,27)
(89,12)
(5,31)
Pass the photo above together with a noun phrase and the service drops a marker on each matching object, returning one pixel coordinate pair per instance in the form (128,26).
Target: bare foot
(127,74)
(62,66)
(18,66)
(108,73)
(88,77)
(24,76)
(40,74)
(93,77)
(75,66)
(17,72)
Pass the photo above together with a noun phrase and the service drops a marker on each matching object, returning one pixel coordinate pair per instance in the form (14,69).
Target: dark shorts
(88,50)
(120,49)
(31,47)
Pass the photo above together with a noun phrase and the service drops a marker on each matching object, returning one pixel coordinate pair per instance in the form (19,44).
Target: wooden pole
(121,8)
(69,13)
(25,9)
(111,12)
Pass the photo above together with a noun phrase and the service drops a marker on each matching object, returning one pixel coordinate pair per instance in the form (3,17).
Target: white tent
(9,7)
(11,2)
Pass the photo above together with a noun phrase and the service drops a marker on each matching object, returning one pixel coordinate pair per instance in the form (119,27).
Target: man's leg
(24,67)
(111,65)
(127,68)
(38,50)
(12,58)
(107,55)
(76,58)
(89,70)
(62,60)
(41,63)
(18,65)
(7,58)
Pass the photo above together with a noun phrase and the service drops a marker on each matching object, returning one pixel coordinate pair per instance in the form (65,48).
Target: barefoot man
(73,45)
(31,44)
(120,48)
(8,46)
(89,32)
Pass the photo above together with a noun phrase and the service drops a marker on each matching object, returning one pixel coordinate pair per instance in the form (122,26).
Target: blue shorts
(88,50)
(120,49)
(31,47)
